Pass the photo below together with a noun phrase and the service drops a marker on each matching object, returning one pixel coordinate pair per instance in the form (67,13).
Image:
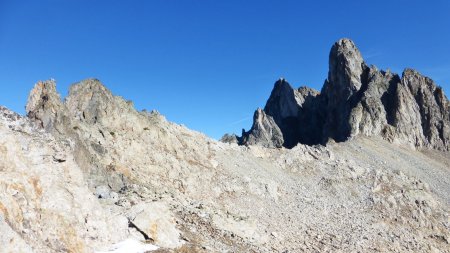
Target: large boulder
(154,220)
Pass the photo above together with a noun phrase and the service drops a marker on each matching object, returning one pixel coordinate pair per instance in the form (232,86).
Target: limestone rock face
(356,100)
(44,103)
(44,201)
(371,109)
(345,79)
(422,113)
(346,67)
(264,131)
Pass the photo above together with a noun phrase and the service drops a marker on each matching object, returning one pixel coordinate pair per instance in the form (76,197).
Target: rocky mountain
(356,99)
(89,173)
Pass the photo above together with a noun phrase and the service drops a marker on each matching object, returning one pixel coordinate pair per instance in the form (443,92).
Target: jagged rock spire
(44,103)
(346,66)
(345,79)
(360,100)
(89,100)
(264,132)
(281,103)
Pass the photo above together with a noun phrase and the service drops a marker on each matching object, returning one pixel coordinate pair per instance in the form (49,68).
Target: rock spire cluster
(356,99)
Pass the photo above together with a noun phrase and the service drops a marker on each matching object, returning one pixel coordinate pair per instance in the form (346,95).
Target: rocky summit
(89,173)
(355,100)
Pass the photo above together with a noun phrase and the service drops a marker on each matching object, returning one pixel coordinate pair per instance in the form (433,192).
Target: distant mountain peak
(357,100)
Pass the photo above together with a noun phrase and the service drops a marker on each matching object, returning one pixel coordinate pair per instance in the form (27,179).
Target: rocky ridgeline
(89,172)
(356,99)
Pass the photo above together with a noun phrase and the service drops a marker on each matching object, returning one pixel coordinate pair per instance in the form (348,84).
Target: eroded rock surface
(46,202)
(264,132)
(44,103)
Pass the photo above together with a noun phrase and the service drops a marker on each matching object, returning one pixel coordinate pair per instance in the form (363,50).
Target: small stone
(103,192)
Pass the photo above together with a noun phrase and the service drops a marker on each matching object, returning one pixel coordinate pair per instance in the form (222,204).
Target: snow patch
(130,246)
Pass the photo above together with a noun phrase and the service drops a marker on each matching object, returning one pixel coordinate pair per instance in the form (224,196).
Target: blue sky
(210,64)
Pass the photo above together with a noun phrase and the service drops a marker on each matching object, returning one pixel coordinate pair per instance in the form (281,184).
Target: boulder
(155,222)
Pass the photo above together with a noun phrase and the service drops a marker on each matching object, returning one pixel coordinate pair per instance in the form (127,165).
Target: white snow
(130,246)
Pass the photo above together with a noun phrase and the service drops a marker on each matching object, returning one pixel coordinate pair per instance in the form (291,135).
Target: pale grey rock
(304,94)
(430,118)
(45,202)
(10,240)
(264,131)
(156,222)
(229,138)
(345,79)
(190,193)
(89,101)
(346,67)
(44,104)
(294,111)
(372,108)
(102,192)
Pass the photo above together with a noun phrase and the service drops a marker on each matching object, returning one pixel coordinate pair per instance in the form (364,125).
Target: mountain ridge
(356,99)
(90,172)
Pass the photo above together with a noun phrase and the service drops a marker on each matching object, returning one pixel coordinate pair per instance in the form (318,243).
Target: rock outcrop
(44,199)
(345,79)
(288,106)
(422,114)
(264,132)
(44,103)
(357,99)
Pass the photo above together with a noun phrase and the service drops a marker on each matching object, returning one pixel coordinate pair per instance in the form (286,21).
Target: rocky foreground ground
(86,173)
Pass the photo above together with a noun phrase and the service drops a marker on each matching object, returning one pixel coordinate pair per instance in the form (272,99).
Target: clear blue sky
(210,64)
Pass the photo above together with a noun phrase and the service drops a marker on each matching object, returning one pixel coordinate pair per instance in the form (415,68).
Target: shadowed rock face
(357,99)
(264,132)
(284,107)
